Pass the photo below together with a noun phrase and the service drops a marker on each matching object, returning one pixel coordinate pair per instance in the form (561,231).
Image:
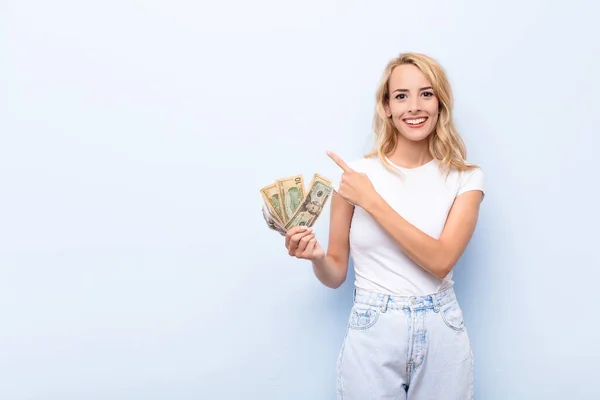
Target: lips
(415,122)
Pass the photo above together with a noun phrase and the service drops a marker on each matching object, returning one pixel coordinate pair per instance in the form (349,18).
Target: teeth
(415,121)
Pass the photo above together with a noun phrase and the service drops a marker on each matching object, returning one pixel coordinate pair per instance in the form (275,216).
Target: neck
(410,154)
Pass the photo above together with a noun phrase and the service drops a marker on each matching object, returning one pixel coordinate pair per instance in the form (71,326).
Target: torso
(423,196)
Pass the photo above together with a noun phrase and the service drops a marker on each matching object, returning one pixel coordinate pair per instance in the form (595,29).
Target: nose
(414,105)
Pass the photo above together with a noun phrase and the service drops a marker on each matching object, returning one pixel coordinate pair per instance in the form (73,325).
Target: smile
(416,122)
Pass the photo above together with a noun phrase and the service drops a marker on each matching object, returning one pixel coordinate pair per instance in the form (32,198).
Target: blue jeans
(405,348)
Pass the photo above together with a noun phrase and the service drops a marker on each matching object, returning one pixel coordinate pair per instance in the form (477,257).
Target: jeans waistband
(385,301)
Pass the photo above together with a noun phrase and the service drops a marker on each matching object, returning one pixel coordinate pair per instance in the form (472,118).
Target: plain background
(135,135)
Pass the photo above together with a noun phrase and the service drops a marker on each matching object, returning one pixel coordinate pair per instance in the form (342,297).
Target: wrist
(373,203)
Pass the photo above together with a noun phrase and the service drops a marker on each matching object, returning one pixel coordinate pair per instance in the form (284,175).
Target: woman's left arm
(437,256)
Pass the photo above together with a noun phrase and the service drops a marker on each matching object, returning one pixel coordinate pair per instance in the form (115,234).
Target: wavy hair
(445,143)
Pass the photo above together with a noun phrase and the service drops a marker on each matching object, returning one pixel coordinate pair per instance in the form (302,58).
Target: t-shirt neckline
(405,169)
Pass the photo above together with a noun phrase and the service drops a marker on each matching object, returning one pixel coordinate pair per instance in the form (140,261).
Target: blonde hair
(445,143)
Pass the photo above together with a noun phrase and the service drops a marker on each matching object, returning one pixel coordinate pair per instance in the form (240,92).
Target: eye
(401,98)
(427,94)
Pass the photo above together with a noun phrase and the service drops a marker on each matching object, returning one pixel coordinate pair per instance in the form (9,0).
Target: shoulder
(474,171)
(365,164)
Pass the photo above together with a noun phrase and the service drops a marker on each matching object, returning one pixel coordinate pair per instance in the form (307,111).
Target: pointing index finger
(341,163)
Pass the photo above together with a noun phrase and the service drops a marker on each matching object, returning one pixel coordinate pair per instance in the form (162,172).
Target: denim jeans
(409,348)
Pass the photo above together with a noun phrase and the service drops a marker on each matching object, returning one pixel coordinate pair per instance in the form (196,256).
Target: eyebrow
(406,90)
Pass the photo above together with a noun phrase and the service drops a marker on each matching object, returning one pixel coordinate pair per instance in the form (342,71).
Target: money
(270,194)
(272,221)
(286,203)
(291,193)
(313,203)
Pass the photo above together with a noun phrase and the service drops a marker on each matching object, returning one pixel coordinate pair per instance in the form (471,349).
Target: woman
(406,213)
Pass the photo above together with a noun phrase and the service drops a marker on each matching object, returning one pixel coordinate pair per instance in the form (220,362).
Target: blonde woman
(405,213)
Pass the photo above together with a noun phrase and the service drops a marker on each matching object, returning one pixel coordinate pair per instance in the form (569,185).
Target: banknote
(320,189)
(270,194)
(271,220)
(291,193)
(286,203)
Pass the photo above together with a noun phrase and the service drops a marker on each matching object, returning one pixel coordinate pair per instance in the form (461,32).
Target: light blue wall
(134,261)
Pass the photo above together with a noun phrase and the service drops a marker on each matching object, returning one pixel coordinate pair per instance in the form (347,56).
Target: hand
(301,243)
(355,187)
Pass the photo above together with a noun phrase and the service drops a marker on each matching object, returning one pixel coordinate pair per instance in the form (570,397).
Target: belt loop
(436,306)
(384,306)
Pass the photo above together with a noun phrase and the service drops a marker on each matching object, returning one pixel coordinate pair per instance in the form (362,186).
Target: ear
(386,107)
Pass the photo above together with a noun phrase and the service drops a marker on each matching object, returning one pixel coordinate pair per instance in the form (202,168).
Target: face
(413,106)
(313,208)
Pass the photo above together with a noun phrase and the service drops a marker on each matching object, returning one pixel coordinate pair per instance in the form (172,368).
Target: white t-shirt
(423,196)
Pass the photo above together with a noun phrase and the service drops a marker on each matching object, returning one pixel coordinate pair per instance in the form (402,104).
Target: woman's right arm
(332,269)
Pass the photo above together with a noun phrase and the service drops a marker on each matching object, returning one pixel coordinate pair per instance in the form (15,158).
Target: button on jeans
(405,348)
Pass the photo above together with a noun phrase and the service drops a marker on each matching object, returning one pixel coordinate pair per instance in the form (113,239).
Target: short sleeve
(471,180)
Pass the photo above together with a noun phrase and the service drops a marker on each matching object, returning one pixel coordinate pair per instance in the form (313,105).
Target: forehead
(408,76)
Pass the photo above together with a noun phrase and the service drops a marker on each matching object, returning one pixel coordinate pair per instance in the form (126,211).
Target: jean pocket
(363,316)
(452,315)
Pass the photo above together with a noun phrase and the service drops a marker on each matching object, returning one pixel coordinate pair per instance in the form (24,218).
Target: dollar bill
(271,220)
(291,193)
(271,197)
(312,205)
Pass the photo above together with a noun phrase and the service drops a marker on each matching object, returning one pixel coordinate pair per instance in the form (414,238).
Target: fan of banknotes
(286,203)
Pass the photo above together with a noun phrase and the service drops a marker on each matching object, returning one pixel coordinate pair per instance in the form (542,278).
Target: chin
(415,136)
